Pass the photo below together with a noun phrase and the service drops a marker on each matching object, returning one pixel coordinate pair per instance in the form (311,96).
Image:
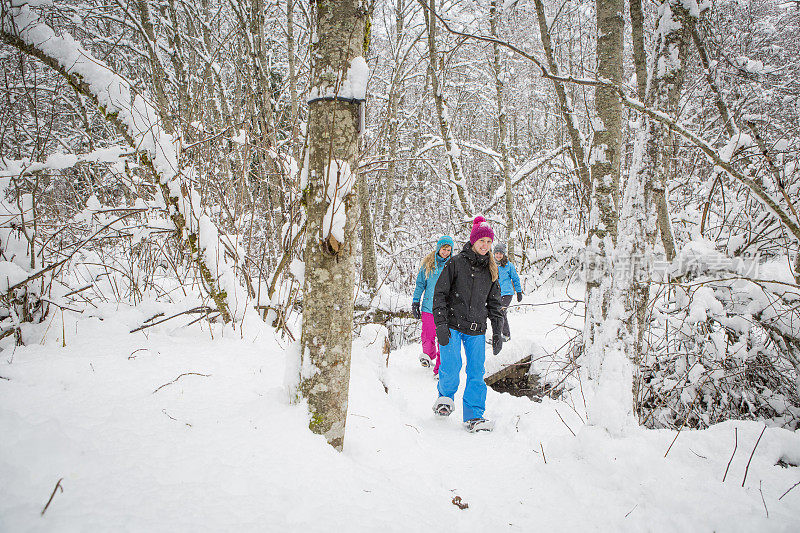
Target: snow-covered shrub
(725,343)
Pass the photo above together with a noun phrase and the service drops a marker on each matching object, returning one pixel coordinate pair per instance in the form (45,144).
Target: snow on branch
(523,172)
(22,167)
(436,142)
(140,124)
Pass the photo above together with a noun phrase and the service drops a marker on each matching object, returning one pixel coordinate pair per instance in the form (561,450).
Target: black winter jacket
(465,295)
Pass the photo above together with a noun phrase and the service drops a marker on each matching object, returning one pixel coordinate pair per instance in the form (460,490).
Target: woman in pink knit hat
(466,294)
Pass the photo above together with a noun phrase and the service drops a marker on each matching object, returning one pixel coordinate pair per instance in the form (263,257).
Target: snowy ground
(138,450)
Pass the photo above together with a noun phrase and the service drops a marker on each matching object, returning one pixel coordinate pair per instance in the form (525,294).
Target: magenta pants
(429,345)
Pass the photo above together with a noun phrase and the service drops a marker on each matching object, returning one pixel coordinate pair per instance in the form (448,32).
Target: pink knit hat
(480,229)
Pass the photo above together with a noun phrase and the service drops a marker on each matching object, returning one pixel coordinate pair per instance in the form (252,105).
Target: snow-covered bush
(724,342)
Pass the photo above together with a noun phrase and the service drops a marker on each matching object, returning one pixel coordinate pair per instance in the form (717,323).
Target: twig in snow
(752,454)
(57,487)
(735,445)
(157,315)
(685,419)
(632,510)
(697,454)
(5,378)
(173,418)
(458,503)
(676,437)
(199,309)
(179,377)
(787,492)
(409,425)
(76,291)
(562,420)
(131,356)
(762,497)
(543,455)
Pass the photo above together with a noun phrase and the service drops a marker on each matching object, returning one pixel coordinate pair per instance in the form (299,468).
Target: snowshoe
(425,361)
(478,424)
(444,406)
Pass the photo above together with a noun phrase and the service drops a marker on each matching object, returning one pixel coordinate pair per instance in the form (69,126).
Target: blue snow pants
(474,401)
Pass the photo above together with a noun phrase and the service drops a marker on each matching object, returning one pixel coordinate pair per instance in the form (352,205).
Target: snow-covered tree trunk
(502,123)
(175,38)
(292,63)
(653,156)
(157,74)
(604,336)
(458,182)
(638,222)
(369,269)
(395,89)
(639,54)
(338,84)
(578,143)
(667,83)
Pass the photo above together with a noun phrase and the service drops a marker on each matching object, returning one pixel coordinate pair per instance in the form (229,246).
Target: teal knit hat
(445,239)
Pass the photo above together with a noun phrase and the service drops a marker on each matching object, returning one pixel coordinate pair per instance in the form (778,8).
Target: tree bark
(157,73)
(293,118)
(502,123)
(369,269)
(639,55)
(394,126)
(458,182)
(565,106)
(604,339)
(329,273)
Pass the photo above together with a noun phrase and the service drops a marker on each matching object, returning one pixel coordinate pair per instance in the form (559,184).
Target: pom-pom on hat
(480,229)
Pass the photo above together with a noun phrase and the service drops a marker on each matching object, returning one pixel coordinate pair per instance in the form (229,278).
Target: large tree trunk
(604,340)
(333,165)
(654,153)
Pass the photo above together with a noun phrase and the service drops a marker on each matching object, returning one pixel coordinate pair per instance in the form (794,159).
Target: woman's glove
(519,296)
(443,335)
(415,310)
(497,343)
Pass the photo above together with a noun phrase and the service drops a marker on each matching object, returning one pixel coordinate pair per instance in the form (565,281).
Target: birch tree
(577,140)
(604,340)
(502,124)
(456,178)
(338,87)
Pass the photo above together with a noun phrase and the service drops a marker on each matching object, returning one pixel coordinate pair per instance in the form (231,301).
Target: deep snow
(225,451)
